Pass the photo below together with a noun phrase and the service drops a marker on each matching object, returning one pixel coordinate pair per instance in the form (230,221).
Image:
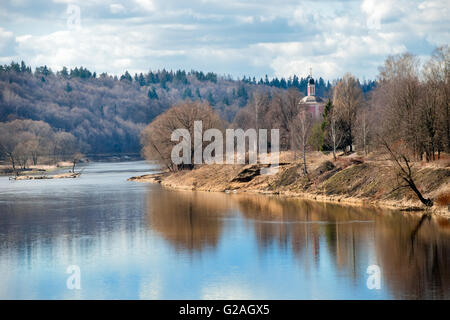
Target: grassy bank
(349,179)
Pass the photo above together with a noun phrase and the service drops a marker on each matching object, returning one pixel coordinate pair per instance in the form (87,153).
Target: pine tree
(187,93)
(152,93)
(126,77)
(211,99)
(197,93)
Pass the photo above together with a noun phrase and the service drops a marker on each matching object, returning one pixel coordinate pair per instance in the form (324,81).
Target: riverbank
(350,179)
(6,170)
(69,175)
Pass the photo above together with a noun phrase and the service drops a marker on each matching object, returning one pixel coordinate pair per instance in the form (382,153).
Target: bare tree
(156,137)
(64,146)
(363,128)
(334,132)
(347,99)
(254,114)
(302,126)
(284,108)
(76,157)
(8,143)
(399,97)
(435,103)
(405,171)
(25,140)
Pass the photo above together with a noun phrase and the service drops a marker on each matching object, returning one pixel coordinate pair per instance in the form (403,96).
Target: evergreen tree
(141,80)
(126,77)
(187,93)
(316,138)
(197,93)
(152,93)
(211,99)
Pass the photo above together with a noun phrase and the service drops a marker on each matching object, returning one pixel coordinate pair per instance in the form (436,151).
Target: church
(311,102)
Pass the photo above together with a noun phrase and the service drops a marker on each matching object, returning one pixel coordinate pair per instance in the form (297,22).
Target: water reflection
(418,253)
(413,253)
(188,220)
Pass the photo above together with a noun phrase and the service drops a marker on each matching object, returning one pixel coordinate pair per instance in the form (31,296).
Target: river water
(133,240)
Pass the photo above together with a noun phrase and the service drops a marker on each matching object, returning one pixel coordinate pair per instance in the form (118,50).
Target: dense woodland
(106,113)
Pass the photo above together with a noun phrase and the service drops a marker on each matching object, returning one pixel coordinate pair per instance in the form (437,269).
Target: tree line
(26,142)
(106,113)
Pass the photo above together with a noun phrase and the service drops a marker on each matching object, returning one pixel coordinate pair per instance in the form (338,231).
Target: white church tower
(311,102)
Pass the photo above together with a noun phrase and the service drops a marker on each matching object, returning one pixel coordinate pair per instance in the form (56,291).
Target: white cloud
(7,43)
(148,5)
(116,8)
(5,37)
(251,38)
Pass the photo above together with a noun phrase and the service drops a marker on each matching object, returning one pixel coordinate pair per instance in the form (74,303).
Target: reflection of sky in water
(134,240)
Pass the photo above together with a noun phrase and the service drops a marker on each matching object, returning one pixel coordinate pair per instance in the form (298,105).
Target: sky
(237,38)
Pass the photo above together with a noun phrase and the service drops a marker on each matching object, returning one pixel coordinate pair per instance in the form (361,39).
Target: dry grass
(443,199)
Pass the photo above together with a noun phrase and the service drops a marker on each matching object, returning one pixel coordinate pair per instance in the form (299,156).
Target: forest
(106,113)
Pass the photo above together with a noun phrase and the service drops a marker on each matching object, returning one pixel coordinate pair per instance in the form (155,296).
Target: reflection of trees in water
(415,256)
(304,225)
(188,220)
(36,227)
(352,237)
(414,253)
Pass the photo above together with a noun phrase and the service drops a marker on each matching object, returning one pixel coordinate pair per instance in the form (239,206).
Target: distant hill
(106,113)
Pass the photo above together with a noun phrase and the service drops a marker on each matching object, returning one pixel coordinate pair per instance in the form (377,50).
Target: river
(132,240)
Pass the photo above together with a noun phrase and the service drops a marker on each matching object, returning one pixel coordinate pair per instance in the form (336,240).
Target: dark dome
(311,81)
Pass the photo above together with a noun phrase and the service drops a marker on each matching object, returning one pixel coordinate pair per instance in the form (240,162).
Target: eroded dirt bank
(350,180)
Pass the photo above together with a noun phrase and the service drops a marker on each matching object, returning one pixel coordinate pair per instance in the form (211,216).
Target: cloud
(116,8)
(148,5)
(233,37)
(7,43)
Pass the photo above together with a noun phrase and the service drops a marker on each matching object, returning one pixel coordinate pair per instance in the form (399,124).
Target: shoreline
(348,201)
(6,170)
(357,184)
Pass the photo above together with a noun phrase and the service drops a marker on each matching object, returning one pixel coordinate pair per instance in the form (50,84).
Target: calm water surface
(140,241)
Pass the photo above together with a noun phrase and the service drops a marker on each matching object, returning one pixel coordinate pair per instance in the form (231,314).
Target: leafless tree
(334,131)
(399,95)
(156,137)
(435,103)
(302,127)
(283,110)
(347,100)
(8,143)
(363,128)
(398,154)
(76,157)
(254,114)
